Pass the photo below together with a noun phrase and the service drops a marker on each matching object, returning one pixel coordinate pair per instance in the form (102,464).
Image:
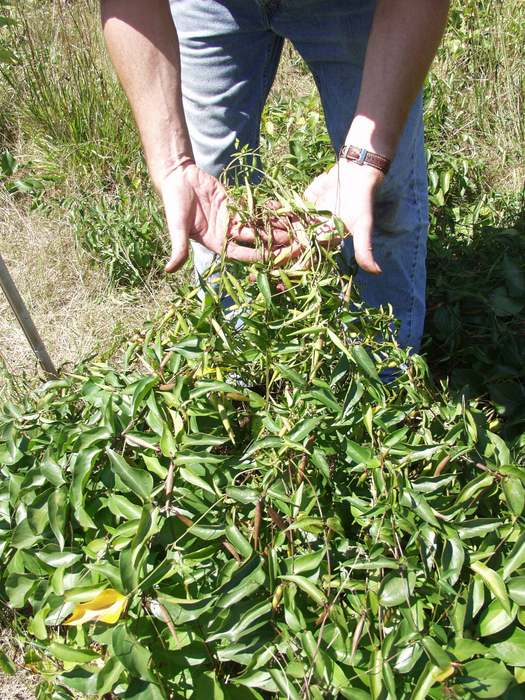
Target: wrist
(364,157)
(364,133)
(167,171)
(359,174)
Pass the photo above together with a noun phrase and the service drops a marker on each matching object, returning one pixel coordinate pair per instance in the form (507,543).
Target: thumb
(363,250)
(178,215)
(179,250)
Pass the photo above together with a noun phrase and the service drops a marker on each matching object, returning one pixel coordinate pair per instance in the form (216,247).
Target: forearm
(143,45)
(404,39)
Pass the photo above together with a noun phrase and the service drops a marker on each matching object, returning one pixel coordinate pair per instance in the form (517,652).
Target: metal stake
(24,319)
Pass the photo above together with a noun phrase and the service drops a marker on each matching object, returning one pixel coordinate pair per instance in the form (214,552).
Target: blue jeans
(230,50)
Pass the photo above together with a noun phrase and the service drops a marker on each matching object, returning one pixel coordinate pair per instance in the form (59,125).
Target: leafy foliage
(319,535)
(123,231)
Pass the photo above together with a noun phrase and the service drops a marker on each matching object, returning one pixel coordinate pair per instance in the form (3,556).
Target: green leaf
(65,652)
(143,690)
(81,467)
(516,557)
(304,428)
(396,589)
(131,654)
(417,503)
(138,480)
(477,528)
(7,56)
(146,528)
(514,495)
(512,650)
(80,679)
(308,587)
(494,583)
(464,649)
(425,681)
(494,619)
(55,557)
(209,687)
(514,277)
(239,542)
(485,678)
(452,560)
(109,676)
(120,505)
(57,505)
(23,536)
(7,665)
(284,684)
(92,437)
(141,390)
(435,653)
(182,611)
(8,164)
(516,588)
(51,469)
(109,572)
(192,478)
(505,305)
(364,361)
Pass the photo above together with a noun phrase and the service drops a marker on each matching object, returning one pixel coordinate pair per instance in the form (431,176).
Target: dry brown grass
(72,304)
(22,685)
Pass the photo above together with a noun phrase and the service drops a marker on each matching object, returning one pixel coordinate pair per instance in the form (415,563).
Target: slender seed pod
(169,622)
(442,465)
(357,636)
(184,519)
(257,523)
(232,551)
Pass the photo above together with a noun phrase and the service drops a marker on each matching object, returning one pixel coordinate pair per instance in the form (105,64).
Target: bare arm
(143,45)
(404,39)
(144,48)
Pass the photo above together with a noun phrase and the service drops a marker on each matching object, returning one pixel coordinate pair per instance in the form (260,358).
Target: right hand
(196,207)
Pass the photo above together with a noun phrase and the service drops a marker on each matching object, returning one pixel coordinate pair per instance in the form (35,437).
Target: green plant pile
(314,535)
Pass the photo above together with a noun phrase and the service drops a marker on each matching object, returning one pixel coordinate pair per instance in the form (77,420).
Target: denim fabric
(230,51)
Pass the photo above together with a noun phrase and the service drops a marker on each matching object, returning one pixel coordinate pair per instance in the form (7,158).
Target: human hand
(347,190)
(196,208)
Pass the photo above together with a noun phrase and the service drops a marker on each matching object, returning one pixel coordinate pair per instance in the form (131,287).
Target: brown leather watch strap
(363,157)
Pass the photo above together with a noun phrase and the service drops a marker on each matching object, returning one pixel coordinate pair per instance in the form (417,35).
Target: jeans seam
(419,207)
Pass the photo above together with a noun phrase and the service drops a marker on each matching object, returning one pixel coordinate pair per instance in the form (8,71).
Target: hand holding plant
(347,190)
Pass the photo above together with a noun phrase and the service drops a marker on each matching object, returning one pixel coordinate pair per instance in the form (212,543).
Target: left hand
(347,190)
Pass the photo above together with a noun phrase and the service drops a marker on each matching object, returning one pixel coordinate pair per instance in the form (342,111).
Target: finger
(272,204)
(286,254)
(179,251)
(244,253)
(363,251)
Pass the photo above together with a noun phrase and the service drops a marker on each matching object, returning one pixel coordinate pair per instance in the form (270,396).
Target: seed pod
(167,357)
(169,481)
(231,550)
(184,519)
(276,517)
(277,596)
(169,622)
(257,522)
(302,466)
(357,636)
(442,465)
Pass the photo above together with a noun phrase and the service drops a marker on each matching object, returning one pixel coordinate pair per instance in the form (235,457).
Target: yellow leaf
(106,607)
(443,675)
